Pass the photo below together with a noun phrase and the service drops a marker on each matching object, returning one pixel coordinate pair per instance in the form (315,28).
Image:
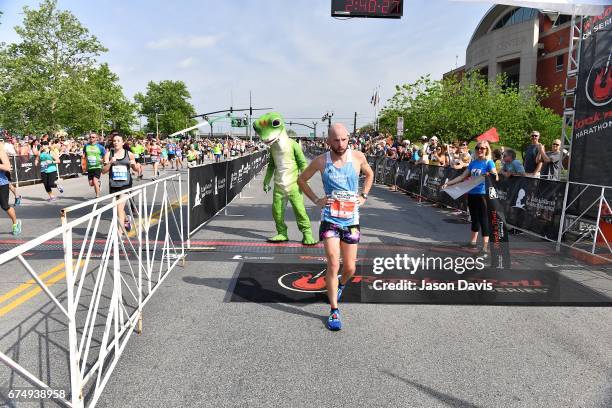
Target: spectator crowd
(538,160)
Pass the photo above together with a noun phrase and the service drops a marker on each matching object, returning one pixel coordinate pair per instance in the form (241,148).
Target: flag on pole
(490,135)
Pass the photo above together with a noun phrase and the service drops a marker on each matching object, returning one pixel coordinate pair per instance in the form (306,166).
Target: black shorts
(8,175)
(171,156)
(140,160)
(4,197)
(94,173)
(113,190)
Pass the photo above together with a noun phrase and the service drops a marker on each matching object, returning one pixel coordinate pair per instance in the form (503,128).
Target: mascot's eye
(276,123)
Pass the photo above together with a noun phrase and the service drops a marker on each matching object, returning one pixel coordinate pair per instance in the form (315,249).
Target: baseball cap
(434,138)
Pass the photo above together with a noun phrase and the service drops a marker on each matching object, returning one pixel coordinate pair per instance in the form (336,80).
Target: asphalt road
(199,349)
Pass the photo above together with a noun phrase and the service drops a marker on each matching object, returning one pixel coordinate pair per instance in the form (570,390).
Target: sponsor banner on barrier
(527,203)
(379,176)
(532,204)
(389,171)
(498,238)
(434,177)
(26,169)
(214,185)
(372,163)
(237,176)
(206,192)
(70,165)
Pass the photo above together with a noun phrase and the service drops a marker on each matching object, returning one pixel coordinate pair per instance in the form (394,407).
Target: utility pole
(355,125)
(314,126)
(157,115)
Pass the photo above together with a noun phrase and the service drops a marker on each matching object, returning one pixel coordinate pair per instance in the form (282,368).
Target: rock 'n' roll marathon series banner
(592,137)
(212,186)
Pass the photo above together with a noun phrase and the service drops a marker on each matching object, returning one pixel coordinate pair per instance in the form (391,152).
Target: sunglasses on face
(481,148)
(556,144)
(535,135)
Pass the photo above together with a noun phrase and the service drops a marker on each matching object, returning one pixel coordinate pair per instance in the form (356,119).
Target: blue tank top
(3,178)
(340,179)
(47,164)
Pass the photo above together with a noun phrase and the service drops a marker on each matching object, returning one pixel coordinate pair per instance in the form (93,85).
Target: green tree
(169,100)
(55,53)
(461,109)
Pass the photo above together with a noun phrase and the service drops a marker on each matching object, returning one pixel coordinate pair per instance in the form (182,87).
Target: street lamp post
(327,117)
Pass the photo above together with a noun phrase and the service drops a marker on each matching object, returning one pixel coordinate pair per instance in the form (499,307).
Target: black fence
(212,186)
(531,204)
(26,170)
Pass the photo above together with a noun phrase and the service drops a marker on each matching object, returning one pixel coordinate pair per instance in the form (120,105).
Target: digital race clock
(367,8)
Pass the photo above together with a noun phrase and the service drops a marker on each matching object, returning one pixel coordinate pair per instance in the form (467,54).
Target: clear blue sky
(292,55)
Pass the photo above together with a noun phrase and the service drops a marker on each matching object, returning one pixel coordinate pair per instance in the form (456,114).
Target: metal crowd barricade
(588,219)
(108,280)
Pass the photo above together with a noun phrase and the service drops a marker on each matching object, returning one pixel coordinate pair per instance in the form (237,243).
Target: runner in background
(171,148)
(192,157)
(164,156)
(93,153)
(48,161)
(155,152)
(117,162)
(139,150)
(9,149)
(340,168)
(5,167)
(179,156)
(217,151)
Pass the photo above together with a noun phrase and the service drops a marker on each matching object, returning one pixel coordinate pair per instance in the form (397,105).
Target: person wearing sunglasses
(477,203)
(530,156)
(551,160)
(462,157)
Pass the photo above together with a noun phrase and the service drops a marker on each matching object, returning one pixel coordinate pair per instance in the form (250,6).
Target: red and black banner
(592,136)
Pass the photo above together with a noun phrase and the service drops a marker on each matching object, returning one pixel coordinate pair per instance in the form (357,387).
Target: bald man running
(340,168)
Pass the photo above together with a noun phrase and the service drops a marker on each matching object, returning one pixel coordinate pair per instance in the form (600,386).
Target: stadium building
(529,45)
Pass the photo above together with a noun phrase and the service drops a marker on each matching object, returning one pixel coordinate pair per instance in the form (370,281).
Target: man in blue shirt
(511,166)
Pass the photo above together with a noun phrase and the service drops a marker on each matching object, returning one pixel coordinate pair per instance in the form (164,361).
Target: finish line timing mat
(290,272)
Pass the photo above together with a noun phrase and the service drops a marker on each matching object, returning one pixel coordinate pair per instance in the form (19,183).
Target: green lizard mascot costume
(285,163)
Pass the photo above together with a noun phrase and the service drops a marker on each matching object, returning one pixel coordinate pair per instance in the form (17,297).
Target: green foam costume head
(270,127)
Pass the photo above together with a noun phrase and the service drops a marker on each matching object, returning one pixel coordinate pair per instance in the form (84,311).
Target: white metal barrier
(105,293)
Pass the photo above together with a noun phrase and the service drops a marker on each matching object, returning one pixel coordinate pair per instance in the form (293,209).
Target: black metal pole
(355,125)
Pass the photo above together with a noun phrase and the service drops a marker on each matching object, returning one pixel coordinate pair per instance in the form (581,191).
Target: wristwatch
(364,195)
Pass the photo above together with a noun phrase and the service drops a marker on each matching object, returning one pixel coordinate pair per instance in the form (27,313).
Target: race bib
(344,204)
(92,160)
(120,173)
(43,166)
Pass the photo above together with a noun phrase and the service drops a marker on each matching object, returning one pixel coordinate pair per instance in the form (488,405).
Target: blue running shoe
(60,189)
(340,289)
(333,321)
(17,201)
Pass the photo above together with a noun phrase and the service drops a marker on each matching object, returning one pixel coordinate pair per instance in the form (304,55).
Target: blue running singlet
(338,182)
